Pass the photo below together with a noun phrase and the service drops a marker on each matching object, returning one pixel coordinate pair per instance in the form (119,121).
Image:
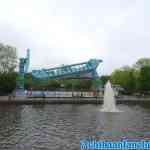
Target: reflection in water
(62,126)
(10,124)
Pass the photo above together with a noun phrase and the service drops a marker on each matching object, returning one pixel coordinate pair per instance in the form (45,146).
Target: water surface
(60,127)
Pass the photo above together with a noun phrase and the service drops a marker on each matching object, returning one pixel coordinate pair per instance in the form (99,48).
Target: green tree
(141,70)
(77,84)
(53,85)
(7,82)
(84,84)
(39,84)
(68,84)
(104,79)
(125,78)
(144,79)
(142,62)
(28,81)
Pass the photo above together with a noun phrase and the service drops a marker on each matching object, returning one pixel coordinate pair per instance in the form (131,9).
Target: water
(109,99)
(60,127)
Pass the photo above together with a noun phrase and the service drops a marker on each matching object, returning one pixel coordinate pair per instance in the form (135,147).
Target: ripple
(58,127)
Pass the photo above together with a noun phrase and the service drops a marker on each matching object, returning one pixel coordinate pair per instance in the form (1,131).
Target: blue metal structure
(23,69)
(80,70)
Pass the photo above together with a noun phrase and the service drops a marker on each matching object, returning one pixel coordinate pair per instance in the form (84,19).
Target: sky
(72,31)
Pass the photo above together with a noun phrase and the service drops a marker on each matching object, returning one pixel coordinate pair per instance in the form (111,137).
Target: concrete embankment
(71,100)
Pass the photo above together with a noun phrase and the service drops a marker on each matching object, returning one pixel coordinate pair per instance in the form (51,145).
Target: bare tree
(8,58)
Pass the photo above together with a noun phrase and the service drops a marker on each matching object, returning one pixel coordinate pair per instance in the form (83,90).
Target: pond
(61,127)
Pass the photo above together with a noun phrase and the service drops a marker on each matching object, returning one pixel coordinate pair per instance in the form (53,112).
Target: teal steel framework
(85,70)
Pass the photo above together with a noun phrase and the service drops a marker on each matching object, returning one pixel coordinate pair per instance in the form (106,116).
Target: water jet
(109,99)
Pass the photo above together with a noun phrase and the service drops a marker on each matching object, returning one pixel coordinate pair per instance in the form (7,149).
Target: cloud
(64,32)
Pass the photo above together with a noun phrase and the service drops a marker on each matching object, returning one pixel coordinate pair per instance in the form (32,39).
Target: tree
(39,84)
(53,85)
(142,67)
(144,79)
(7,82)
(142,62)
(104,79)
(8,62)
(125,78)
(68,84)
(8,58)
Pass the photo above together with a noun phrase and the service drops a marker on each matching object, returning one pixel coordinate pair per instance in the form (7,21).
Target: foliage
(83,84)
(40,85)
(124,77)
(52,85)
(144,79)
(67,84)
(132,79)
(142,62)
(135,79)
(104,79)
(7,82)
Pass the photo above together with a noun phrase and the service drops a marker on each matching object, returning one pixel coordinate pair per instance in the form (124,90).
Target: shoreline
(71,100)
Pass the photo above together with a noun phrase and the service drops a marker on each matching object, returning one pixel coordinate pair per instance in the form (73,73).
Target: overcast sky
(71,31)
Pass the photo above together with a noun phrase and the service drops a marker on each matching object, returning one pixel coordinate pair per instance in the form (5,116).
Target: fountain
(109,99)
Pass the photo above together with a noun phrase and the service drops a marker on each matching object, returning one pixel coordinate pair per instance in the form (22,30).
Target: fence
(63,94)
